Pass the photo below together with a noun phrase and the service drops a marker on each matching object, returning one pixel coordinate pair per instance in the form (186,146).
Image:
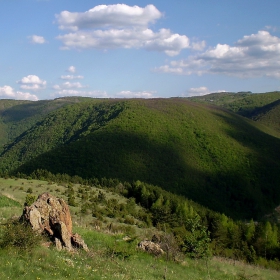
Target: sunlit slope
(214,157)
(260,107)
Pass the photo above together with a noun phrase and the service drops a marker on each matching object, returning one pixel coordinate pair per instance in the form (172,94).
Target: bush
(71,200)
(19,235)
(197,240)
(129,220)
(29,190)
(29,199)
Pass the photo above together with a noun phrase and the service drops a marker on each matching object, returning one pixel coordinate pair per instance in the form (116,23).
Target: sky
(137,49)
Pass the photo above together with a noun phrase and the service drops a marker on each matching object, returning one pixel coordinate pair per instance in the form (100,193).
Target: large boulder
(51,215)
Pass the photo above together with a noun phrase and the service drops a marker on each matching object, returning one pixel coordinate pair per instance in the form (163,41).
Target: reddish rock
(51,215)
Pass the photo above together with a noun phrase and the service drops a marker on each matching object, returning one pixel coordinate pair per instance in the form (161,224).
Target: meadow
(111,254)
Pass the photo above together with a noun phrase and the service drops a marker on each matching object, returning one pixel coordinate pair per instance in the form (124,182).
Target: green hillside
(260,107)
(268,115)
(205,153)
(112,225)
(17,116)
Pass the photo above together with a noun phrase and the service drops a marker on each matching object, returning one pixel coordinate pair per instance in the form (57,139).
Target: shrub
(29,199)
(71,200)
(19,235)
(196,241)
(29,190)
(101,196)
(129,220)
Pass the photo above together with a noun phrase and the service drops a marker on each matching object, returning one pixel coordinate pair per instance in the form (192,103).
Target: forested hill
(217,158)
(17,116)
(260,107)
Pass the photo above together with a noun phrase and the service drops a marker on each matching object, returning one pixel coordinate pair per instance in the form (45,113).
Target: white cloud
(162,41)
(71,69)
(37,39)
(273,28)
(72,92)
(199,91)
(117,16)
(255,55)
(68,85)
(32,82)
(135,94)
(10,93)
(120,26)
(198,46)
(71,77)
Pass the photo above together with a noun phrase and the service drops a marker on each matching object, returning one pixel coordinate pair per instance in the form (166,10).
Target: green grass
(8,202)
(109,257)
(102,262)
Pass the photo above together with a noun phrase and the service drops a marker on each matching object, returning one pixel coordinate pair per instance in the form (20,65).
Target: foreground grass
(110,257)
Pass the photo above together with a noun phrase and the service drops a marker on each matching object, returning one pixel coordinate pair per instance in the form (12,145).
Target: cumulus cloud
(71,69)
(37,39)
(73,92)
(120,26)
(68,85)
(119,15)
(32,82)
(71,77)
(135,94)
(162,41)
(10,93)
(198,46)
(255,55)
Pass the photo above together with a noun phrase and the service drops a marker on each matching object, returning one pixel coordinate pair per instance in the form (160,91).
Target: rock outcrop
(150,247)
(51,215)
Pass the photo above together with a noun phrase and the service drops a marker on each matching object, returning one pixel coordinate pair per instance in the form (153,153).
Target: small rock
(150,247)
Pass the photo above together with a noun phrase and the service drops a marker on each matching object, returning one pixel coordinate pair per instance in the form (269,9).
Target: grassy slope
(261,107)
(110,256)
(100,264)
(214,157)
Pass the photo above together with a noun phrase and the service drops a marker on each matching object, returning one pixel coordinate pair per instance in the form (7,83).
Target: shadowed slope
(17,116)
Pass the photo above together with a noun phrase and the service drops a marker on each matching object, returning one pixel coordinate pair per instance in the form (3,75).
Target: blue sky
(56,48)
